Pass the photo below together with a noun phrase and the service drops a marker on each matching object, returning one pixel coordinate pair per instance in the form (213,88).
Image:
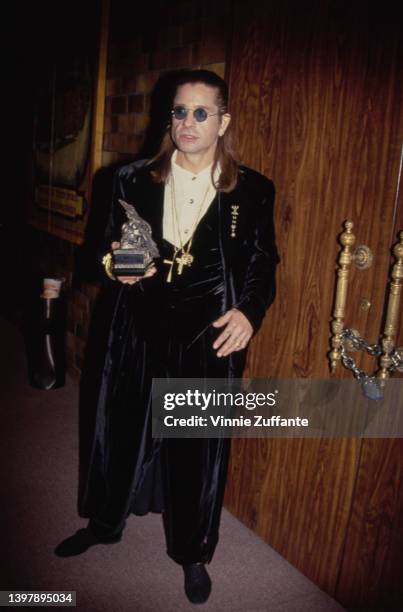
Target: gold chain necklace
(185,258)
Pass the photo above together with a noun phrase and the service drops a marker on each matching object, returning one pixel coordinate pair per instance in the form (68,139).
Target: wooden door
(316,102)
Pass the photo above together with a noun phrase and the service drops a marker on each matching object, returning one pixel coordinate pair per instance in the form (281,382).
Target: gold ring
(107,262)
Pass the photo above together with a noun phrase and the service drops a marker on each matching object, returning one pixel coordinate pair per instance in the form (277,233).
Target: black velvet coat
(126,470)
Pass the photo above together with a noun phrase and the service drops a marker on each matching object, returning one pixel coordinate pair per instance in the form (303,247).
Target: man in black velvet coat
(191,316)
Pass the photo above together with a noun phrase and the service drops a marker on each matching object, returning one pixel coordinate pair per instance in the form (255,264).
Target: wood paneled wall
(316,104)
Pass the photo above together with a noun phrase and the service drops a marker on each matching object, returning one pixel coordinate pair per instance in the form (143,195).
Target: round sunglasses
(199,113)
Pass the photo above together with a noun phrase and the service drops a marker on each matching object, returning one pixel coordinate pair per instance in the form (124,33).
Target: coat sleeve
(123,180)
(259,288)
(114,221)
(116,213)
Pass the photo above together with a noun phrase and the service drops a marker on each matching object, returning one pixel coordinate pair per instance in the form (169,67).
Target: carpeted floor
(39,470)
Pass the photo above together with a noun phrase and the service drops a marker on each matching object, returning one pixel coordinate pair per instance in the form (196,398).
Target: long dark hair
(224,154)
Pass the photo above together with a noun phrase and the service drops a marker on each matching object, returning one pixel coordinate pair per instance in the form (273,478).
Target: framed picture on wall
(68,123)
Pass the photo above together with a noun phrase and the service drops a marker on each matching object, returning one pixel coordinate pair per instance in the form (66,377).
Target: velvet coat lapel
(138,189)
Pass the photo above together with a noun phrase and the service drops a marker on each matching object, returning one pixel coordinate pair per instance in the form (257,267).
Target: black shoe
(81,541)
(197,582)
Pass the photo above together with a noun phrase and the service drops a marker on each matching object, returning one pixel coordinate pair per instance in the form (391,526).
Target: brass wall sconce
(345,339)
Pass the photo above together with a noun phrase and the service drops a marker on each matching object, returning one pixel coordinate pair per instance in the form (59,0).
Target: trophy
(137,248)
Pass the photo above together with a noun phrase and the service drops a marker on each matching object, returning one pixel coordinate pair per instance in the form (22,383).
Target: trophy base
(128,262)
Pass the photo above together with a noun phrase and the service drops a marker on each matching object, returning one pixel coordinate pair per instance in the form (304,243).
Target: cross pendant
(168,261)
(186,259)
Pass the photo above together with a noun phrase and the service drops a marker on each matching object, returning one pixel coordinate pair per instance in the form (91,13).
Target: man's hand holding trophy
(132,258)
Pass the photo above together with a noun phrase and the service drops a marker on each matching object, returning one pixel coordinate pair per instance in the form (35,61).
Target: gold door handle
(346,339)
(392,312)
(347,239)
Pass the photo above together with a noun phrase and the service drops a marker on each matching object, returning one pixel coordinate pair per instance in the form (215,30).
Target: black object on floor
(44,332)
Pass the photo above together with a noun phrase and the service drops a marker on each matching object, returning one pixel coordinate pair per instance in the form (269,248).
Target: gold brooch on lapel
(234,216)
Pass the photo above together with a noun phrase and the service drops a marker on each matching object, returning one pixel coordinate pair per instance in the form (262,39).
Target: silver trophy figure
(137,248)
